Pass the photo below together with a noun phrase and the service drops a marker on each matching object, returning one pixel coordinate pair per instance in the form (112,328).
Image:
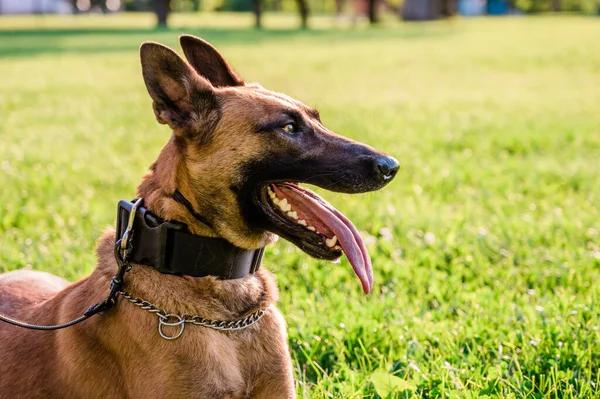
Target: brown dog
(235,157)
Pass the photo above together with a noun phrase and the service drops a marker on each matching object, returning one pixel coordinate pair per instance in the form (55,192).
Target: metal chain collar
(173,320)
(123,250)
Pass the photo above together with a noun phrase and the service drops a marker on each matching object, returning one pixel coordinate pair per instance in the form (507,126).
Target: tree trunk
(449,8)
(195,5)
(339,7)
(257,6)
(373,11)
(555,5)
(303,8)
(162,8)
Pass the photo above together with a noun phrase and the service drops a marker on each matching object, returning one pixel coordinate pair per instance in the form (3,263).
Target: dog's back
(22,289)
(22,292)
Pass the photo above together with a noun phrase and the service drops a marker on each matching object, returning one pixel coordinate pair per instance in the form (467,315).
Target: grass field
(486,247)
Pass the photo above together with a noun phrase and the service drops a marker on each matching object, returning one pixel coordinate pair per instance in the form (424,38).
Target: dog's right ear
(209,62)
(182,99)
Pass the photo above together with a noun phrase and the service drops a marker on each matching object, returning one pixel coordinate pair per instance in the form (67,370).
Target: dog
(230,172)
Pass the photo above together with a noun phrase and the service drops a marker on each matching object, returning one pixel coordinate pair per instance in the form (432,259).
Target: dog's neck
(188,294)
(167,175)
(208,297)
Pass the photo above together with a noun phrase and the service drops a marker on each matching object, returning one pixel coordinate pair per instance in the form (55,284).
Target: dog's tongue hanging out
(314,213)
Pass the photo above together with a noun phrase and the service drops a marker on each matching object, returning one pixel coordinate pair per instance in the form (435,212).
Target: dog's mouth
(311,223)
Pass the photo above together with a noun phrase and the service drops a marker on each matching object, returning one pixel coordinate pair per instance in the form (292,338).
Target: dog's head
(239,151)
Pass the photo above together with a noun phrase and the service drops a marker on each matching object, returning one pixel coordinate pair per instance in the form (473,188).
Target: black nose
(387,167)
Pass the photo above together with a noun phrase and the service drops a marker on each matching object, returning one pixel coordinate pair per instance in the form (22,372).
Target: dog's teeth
(272,194)
(310,228)
(293,215)
(276,201)
(337,247)
(331,241)
(302,222)
(283,204)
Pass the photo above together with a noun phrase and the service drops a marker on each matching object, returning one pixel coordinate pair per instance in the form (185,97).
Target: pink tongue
(315,207)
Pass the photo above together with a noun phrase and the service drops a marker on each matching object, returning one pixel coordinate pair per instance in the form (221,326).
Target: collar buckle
(152,236)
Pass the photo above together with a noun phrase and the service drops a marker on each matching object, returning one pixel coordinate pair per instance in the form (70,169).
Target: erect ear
(208,62)
(182,99)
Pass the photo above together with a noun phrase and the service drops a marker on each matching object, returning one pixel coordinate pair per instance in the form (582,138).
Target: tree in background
(534,6)
(303,9)
(162,8)
(257,8)
(410,10)
(372,7)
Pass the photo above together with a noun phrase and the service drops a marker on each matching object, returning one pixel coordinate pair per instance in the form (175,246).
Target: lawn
(486,247)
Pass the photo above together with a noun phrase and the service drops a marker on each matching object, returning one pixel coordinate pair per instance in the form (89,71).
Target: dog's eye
(289,128)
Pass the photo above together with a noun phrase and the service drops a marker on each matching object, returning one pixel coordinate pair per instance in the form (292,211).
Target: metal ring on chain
(163,318)
(163,321)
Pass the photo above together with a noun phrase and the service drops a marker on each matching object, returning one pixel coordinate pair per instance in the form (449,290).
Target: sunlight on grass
(486,247)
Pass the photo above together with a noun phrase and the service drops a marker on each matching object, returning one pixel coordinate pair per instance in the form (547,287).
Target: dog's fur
(214,157)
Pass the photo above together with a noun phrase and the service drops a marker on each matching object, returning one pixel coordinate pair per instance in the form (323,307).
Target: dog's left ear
(182,99)
(209,62)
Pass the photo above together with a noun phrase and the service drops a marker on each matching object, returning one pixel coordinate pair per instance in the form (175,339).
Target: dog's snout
(386,167)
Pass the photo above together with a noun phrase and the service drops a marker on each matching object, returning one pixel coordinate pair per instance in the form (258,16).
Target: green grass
(486,247)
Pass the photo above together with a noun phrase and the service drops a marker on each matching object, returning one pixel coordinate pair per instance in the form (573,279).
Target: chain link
(143,304)
(231,325)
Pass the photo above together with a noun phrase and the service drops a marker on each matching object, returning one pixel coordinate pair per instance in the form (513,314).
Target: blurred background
(485,247)
(410,10)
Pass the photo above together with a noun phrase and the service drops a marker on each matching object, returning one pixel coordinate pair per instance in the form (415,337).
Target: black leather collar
(170,248)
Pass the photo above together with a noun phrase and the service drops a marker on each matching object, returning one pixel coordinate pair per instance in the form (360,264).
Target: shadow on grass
(26,42)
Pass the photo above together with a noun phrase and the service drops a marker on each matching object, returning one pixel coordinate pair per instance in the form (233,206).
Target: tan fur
(222,128)
(119,354)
